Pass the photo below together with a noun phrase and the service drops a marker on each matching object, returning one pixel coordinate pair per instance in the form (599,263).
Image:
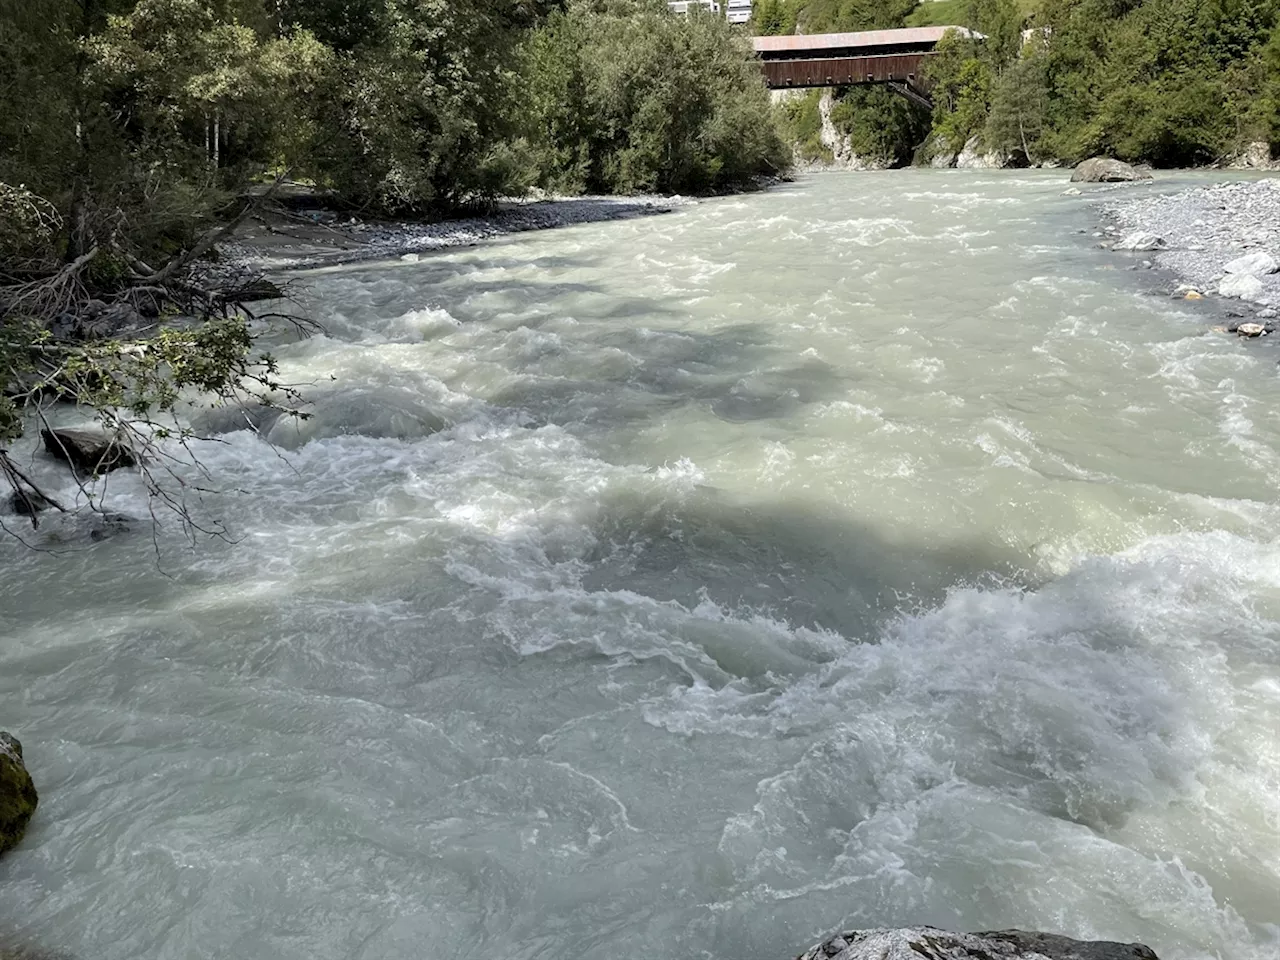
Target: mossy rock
(17,793)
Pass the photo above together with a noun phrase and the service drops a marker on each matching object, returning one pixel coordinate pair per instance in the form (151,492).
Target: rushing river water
(872,551)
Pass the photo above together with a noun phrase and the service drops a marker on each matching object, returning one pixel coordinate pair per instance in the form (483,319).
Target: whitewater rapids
(873,551)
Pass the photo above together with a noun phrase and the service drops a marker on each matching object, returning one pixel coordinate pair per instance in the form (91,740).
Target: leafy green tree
(828,16)
(960,81)
(881,125)
(772,18)
(1001,22)
(623,96)
(1018,107)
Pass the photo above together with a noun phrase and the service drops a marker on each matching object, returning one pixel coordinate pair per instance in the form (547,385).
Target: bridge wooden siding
(843,71)
(894,57)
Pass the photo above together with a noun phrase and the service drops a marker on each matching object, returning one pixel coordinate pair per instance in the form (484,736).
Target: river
(871,551)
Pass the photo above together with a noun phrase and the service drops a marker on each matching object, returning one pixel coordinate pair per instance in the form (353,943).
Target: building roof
(865,38)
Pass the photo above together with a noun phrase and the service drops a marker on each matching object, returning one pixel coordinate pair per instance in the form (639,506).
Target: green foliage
(774,17)
(801,121)
(622,96)
(830,16)
(28,226)
(1018,106)
(1168,82)
(880,124)
(960,80)
(777,17)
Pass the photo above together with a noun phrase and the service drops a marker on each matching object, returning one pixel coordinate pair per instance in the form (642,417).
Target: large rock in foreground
(928,943)
(1106,170)
(17,793)
(90,450)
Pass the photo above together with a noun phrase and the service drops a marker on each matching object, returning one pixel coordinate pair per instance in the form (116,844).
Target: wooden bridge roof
(869,39)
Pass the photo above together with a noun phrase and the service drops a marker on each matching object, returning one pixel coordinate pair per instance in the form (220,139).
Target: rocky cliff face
(838,143)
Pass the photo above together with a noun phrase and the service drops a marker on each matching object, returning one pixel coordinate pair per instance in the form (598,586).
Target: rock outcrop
(839,144)
(1106,170)
(973,157)
(928,943)
(89,450)
(17,793)
(1254,156)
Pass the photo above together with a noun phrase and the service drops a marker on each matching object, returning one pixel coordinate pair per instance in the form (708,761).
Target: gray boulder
(17,793)
(90,450)
(1241,285)
(1256,264)
(116,321)
(1139,241)
(1106,170)
(929,943)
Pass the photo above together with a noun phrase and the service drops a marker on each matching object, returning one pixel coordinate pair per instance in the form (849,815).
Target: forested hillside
(1167,82)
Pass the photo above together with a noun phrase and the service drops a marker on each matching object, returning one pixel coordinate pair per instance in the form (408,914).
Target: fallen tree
(127,342)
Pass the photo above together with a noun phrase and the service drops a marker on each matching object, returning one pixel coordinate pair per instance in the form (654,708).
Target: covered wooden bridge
(892,57)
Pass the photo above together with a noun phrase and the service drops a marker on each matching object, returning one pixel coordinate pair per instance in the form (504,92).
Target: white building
(683,6)
(738,11)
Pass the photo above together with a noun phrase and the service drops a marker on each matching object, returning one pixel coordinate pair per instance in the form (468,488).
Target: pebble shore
(1197,233)
(319,239)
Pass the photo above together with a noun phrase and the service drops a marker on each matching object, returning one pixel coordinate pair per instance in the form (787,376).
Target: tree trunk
(78,228)
(78,239)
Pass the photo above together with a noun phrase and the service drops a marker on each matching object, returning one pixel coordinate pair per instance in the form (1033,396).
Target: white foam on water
(640,590)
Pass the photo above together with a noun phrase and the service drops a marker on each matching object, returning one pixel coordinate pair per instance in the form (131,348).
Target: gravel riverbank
(319,238)
(1221,239)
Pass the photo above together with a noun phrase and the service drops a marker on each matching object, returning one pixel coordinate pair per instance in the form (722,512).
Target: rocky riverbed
(1221,239)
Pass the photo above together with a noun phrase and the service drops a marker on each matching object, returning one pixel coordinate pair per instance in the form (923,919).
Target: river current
(871,551)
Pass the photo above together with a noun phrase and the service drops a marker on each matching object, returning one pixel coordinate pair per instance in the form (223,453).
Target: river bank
(311,238)
(1218,239)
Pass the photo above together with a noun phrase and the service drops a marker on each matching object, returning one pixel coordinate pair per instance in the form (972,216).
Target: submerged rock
(1106,170)
(18,797)
(89,449)
(928,943)
(27,503)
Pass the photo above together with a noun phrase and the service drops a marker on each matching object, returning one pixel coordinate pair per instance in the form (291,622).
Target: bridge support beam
(911,93)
